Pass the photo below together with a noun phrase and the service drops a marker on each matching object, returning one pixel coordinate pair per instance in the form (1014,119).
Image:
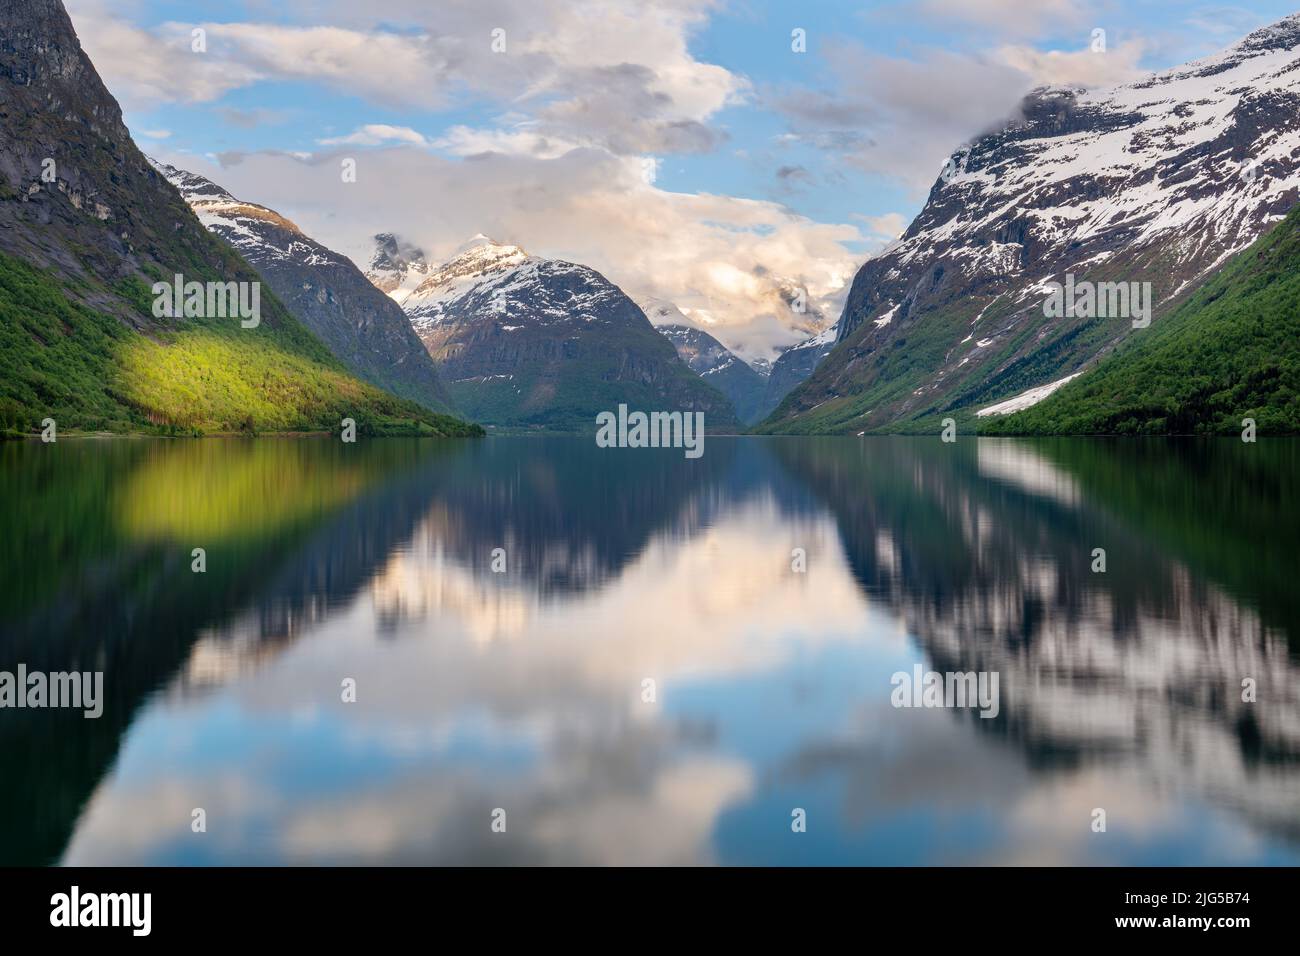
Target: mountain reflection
(985,553)
(525,689)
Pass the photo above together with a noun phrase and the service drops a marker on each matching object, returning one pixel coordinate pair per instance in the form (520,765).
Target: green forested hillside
(87,226)
(1232,351)
(86,369)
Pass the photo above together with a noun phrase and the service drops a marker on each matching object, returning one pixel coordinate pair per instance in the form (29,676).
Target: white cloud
(902,117)
(617,74)
(143,69)
(376,134)
(887,227)
(391,68)
(521,140)
(1119,64)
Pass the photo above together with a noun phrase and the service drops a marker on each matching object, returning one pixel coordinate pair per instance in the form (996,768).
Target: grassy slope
(79,253)
(1232,351)
(88,371)
(895,371)
(884,375)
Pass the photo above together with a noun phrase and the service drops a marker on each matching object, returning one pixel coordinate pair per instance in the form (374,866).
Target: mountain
(711,360)
(1232,351)
(364,328)
(1160,181)
(396,267)
(793,366)
(754,388)
(528,342)
(87,228)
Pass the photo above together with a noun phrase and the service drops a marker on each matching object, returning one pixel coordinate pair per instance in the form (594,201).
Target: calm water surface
(523,690)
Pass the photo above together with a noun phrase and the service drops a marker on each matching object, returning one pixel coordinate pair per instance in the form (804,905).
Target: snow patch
(1025,399)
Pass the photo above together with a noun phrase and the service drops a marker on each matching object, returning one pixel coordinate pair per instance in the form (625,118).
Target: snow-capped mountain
(483,266)
(754,397)
(793,366)
(396,267)
(711,360)
(1158,181)
(661,312)
(364,329)
(525,341)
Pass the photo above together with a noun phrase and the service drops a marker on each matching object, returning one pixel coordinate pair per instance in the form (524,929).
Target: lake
(538,651)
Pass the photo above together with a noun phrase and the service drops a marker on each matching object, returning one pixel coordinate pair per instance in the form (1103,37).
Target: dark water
(524,690)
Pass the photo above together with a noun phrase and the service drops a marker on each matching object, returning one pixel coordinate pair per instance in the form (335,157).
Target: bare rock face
(1159,181)
(394,265)
(75,192)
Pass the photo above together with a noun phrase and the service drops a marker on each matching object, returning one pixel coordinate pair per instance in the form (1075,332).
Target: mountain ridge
(87,226)
(711,360)
(1162,180)
(364,329)
(524,341)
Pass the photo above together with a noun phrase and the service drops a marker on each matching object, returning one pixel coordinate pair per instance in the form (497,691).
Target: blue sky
(681,147)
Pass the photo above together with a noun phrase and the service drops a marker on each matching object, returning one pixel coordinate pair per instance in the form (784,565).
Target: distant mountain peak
(390,251)
(714,362)
(482,252)
(363,328)
(396,267)
(663,312)
(479,244)
(527,341)
(483,269)
(191,185)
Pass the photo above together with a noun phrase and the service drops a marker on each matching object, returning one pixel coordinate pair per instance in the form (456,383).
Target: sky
(716,154)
